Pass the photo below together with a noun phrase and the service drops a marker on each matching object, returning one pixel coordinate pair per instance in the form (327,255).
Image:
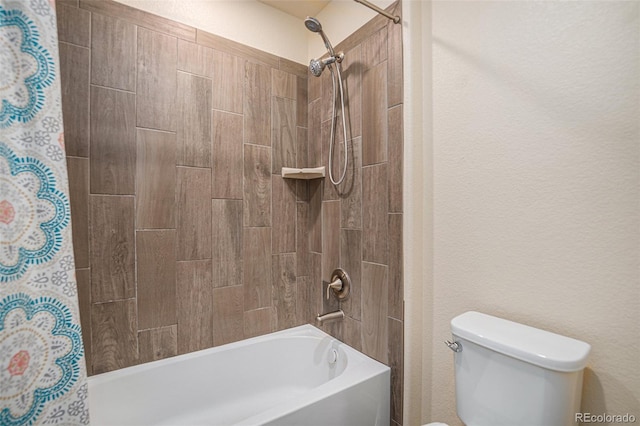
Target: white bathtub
(283,378)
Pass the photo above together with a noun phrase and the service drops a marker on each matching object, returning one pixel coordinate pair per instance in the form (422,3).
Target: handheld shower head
(314,25)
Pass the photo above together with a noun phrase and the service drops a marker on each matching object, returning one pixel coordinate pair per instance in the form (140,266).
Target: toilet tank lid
(539,347)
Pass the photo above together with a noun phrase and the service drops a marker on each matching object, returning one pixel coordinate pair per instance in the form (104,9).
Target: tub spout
(331,316)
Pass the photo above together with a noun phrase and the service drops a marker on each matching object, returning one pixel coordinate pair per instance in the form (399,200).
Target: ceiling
(298,8)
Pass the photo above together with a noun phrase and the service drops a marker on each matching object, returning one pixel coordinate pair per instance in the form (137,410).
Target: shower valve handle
(335,286)
(340,284)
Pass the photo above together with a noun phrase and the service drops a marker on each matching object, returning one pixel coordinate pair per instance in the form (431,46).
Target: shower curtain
(42,366)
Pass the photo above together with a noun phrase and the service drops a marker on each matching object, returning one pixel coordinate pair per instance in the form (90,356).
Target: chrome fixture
(314,26)
(316,66)
(331,316)
(454,346)
(395,19)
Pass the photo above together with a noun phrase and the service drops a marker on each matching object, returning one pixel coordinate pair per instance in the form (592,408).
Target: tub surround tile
(228,314)
(113,146)
(227,249)
(112,248)
(374,112)
(257,104)
(326,100)
(284,209)
(155,179)
(157,343)
(314,136)
(257,273)
(302,101)
(351,188)
(352,333)
(352,67)
(195,305)
(74,70)
(302,187)
(283,84)
(257,185)
(374,311)
(330,192)
(394,61)
(396,275)
(330,238)
(305,301)
(228,82)
(194,120)
(395,139)
(113,53)
(351,261)
(302,148)
(83,281)
(396,343)
(74,25)
(156,272)
(227,156)
(291,67)
(374,49)
(315,88)
(157,58)
(283,133)
(375,202)
(316,296)
(193,195)
(315,216)
(258,322)
(195,59)
(78,170)
(302,238)
(114,342)
(284,290)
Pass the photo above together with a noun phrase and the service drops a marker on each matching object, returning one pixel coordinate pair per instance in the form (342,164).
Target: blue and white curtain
(42,366)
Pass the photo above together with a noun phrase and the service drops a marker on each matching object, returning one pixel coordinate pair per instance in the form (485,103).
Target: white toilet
(509,374)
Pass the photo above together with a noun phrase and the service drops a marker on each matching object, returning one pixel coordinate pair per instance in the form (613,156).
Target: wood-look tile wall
(358,224)
(185,234)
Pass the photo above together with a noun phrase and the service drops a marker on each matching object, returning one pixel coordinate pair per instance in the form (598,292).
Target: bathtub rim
(360,369)
(305,330)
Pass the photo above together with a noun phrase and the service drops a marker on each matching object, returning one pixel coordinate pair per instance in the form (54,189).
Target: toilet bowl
(436,424)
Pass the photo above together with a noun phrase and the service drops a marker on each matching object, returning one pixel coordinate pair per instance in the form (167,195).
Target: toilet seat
(436,424)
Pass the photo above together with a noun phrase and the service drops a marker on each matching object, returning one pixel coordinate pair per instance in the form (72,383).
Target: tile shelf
(304,173)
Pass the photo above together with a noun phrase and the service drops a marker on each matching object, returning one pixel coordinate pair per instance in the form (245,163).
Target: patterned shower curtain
(42,366)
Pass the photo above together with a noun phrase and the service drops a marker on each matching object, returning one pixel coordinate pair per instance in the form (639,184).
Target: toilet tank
(510,374)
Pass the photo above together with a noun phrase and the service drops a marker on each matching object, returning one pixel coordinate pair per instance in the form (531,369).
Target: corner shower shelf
(306,173)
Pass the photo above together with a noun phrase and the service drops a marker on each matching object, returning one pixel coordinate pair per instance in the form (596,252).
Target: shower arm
(395,19)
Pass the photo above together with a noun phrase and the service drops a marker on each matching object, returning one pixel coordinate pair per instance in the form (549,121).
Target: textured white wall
(537,181)
(246,21)
(257,25)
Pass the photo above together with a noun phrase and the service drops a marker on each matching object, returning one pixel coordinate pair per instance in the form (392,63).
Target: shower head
(314,25)
(316,66)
